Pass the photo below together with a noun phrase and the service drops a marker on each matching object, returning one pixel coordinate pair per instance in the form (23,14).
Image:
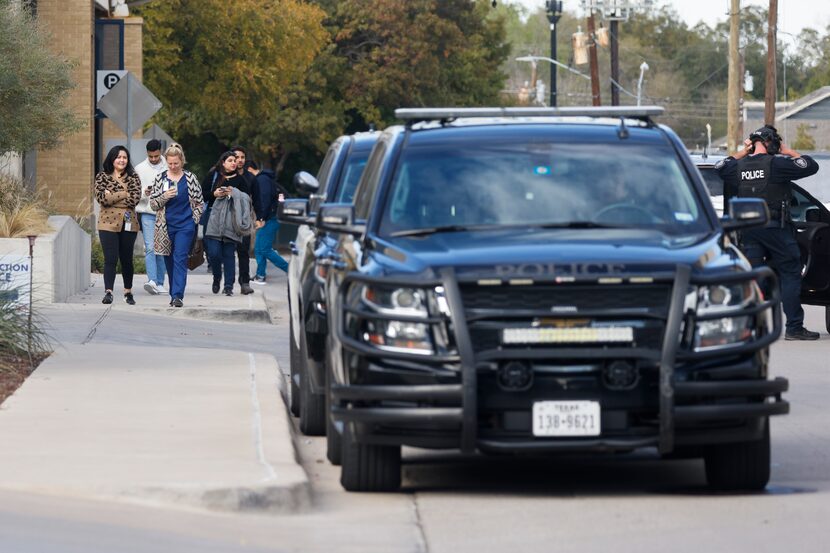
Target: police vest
(756,181)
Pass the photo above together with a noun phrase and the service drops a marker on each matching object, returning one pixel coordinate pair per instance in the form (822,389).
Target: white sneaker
(151,287)
(160,289)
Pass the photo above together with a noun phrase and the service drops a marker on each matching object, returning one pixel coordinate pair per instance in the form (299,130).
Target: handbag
(197,254)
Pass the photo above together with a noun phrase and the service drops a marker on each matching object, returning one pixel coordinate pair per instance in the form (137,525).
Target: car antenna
(622,132)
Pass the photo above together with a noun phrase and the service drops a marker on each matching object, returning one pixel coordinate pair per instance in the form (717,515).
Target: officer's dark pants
(780,250)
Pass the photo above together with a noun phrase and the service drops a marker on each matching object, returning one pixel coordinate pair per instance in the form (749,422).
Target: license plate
(578,335)
(566,418)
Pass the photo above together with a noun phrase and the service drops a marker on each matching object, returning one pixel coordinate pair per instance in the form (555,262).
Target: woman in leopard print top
(118,190)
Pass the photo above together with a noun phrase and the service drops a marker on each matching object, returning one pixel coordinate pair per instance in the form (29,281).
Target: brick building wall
(134,63)
(66,172)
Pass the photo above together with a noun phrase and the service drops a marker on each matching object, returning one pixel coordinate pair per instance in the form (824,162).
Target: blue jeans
(221,255)
(264,250)
(155,263)
(181,240)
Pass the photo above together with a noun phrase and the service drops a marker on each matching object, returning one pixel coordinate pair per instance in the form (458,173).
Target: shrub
(21,213)
(16,338)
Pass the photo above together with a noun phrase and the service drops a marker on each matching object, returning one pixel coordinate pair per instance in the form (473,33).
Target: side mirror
(294,211)
(339,219)
(812,215)
(306,183)
(745,213)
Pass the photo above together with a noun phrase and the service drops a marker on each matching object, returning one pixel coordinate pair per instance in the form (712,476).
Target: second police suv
(534,280)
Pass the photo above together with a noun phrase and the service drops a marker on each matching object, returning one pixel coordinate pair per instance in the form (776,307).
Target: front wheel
(739,467)
(369,468)
(312,406)
(293,377)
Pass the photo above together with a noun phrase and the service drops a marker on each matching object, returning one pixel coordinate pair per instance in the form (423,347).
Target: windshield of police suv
(542,184)
(351,176)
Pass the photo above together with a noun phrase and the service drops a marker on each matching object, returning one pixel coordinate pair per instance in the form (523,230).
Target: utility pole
(733,135)
(592,54)
(615,63)
(771,90)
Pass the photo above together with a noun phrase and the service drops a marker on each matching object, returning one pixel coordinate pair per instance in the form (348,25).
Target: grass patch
(22,346)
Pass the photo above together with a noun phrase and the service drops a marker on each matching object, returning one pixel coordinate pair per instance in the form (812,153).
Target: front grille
(488,338)
(491,309)
(582,297)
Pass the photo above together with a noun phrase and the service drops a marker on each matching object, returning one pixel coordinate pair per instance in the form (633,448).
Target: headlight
(411,302)
(727,299)
(398,336)
(723,332)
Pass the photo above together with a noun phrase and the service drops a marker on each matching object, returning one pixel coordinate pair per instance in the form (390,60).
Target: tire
(334,441)
(739,467)
(369,468)
(312,406)
(827,318)
(294,390)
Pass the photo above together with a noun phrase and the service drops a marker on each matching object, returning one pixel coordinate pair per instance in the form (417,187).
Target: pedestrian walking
(244,248)
(230,221)
(148,170)
(765,169)
(177,200)
(221,251)
(118,190)
(266,197)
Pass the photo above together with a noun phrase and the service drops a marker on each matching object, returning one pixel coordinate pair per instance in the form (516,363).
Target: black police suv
(336,181)
(811,219)
(543,280)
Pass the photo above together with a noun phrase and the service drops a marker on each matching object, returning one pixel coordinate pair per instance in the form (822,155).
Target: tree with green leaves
(34,83)
(416,53)
(230,68)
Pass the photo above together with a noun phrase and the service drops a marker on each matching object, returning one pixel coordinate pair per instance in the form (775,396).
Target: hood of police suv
(551,252)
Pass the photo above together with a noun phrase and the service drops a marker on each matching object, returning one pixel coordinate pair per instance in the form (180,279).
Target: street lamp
(643,69)
(784,65)
(553,9)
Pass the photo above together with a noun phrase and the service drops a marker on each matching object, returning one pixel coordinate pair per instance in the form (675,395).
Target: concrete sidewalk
(155,407)
(199,301)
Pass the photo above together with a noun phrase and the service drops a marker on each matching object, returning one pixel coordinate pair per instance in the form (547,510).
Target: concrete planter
(62,259)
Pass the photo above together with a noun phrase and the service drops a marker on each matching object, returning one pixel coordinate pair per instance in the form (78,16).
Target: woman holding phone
(221,251)
(177,200)
(118,190)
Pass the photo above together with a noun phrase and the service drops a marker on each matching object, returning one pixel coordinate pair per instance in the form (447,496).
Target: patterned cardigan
(122,199)
(161,242)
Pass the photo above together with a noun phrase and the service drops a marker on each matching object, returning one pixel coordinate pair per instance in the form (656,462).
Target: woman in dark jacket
(118,190)
(220,251)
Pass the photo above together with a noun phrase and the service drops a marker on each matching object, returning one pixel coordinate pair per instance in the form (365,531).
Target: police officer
(764,169)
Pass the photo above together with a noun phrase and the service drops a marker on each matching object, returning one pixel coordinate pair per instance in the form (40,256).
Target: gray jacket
(230,217)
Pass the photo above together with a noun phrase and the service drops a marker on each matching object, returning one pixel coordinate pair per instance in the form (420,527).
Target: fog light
(515,376)
(620,375)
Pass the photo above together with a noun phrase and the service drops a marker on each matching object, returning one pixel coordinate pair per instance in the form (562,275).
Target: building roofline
(803,103)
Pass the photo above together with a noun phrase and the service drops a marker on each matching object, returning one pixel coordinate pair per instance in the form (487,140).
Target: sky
(793,15)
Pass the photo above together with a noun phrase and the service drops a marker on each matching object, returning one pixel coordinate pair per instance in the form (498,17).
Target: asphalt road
(454,504)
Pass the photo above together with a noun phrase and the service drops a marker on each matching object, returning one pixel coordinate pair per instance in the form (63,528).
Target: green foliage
(416,53)
(98,261)
(226,68)
(286,77)
(803,139)
(17,338)
(34,84)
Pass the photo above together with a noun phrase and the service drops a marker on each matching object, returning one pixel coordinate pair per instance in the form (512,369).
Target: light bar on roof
(634,112)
